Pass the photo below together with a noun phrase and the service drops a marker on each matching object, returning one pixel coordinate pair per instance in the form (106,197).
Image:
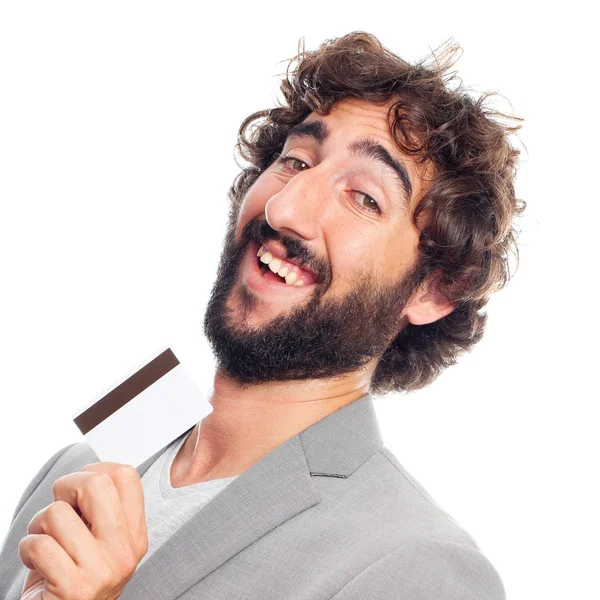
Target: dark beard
(317,339)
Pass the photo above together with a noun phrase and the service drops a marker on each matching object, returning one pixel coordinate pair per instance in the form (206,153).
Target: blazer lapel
(268,493)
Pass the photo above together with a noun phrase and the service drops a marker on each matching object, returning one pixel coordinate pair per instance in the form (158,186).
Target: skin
(312,204)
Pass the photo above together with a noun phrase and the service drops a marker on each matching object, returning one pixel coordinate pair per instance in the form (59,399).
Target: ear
(429,304)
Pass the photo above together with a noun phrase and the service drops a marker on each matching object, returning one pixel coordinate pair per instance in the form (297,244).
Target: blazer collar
(268,493)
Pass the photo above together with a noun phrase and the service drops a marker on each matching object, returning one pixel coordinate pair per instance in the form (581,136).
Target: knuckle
(58,485)
(106,577)
(47,518)
(55,512)
(99,480)
(126,473)
(40,545)
(89,467)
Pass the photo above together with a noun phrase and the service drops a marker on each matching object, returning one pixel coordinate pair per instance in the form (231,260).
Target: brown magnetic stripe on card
(126,391)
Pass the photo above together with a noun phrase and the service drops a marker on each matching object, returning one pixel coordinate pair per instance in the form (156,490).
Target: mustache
(260,231)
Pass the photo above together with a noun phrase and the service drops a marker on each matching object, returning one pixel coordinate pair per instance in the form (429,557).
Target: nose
(296,209)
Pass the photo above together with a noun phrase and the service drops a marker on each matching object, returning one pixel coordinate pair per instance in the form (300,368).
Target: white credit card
(143,411)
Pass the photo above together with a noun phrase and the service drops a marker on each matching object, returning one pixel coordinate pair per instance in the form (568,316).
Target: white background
(117,127)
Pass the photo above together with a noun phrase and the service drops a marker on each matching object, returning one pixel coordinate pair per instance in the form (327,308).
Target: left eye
(373,204)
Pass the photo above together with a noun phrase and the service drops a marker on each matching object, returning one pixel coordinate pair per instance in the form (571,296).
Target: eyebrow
(318,131)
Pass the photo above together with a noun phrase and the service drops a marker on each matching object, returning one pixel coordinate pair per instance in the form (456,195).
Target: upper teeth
(282,268)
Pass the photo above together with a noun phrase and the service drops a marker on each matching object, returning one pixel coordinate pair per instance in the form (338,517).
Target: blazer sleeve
(427,570)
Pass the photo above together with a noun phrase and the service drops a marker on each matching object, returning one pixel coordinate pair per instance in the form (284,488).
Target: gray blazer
(328,514)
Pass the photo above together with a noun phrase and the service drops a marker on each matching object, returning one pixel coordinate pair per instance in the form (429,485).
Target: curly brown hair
(466,214)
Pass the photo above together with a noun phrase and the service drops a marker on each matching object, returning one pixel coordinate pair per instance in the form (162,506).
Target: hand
(87,544)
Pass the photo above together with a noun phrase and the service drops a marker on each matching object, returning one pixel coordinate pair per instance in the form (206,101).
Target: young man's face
(341,203)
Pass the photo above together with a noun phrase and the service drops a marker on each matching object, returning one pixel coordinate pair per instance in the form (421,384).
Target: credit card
(143,411)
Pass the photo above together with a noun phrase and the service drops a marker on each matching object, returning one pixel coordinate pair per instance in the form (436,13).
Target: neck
(249,422)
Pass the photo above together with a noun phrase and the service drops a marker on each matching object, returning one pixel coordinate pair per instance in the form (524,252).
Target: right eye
(289,160)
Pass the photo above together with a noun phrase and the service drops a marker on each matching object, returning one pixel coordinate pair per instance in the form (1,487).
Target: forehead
(359,117)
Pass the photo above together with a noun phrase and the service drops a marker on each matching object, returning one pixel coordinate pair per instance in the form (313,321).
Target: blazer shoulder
(429,570)
(35,496)
(53,462)
(427,503)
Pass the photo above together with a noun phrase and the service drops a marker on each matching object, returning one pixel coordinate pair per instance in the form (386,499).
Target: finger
(60,521)
(96,496)
(44,554)
(131,493)
(33,579)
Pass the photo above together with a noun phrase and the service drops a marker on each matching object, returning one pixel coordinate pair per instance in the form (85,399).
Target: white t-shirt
(168,508)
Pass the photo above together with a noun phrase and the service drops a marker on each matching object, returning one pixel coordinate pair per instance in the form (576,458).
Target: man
(366,234)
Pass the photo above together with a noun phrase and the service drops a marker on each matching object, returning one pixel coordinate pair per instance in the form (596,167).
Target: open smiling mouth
(282,271)
(289,277)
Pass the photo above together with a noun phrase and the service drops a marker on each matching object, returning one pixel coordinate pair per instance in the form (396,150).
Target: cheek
(387,259)
(256,198)
(349,256)
(251,207)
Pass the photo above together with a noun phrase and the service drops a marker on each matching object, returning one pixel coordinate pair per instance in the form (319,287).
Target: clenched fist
(87,544)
